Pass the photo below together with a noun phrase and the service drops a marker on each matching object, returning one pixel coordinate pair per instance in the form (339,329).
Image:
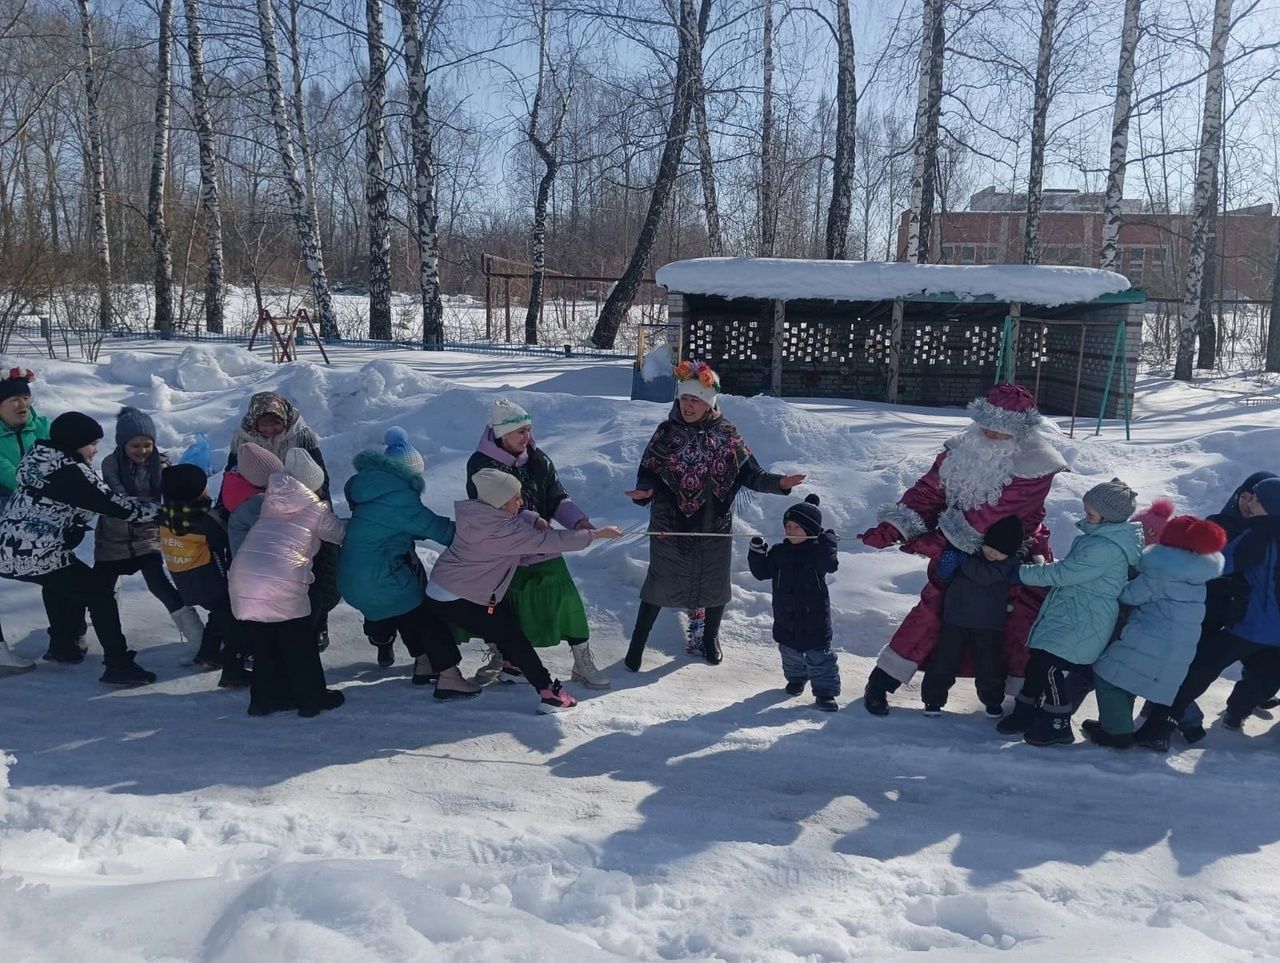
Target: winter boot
(826,703)
(490,670)
(932,709)
(584,667)
(11,664)
(1269,703)
(711,649)
(875,697)
(1232,721)
(795,688)
(1154,734)
(451,685)
(697,627)
(209,655)
(994,711)
(1051,729)
(127,674)
(1021,719)
(234,674)
(555,699)
(189,625)
(329,699)
(635,652)
(423,674)
(66,654)
(1192,734)
(386,655)
(1099,736)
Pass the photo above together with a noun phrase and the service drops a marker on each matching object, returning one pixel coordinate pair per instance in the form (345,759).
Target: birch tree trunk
(97,169)
(1210,139)
(846,125)
(159,167)
(925,142)
(375,176)
(1206,329)
(424,174)
(1039,117)
(710,203)
(303,221)
(209,199)
(623,294)
(767,201)
(1120,135)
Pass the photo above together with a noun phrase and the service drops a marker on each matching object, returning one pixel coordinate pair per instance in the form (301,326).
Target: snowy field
(693,812)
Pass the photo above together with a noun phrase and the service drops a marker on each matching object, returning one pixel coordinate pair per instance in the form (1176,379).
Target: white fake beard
(977,469)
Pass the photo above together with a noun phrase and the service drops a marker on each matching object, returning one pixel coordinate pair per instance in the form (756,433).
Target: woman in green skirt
(543,593)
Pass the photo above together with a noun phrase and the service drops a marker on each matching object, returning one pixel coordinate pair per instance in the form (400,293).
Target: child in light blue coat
(1151,657)
(1078,617)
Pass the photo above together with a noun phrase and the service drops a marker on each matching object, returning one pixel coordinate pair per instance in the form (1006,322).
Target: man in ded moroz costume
(1001,465)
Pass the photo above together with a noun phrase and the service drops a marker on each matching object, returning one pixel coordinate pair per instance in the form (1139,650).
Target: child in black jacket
(973,614)
(798,567)
(197,553)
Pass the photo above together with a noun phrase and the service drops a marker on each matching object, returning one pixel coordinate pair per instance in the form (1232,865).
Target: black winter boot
(1099,736)
(795,688)
(1154,734)
(329,699)
(127,674)
(875,697)
(1021,719)
(1050,729)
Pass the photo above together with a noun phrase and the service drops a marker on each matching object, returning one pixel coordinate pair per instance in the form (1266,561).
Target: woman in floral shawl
(694,465)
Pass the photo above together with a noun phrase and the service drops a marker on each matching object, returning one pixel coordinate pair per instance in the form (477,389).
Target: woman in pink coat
(469,582)
(269,583)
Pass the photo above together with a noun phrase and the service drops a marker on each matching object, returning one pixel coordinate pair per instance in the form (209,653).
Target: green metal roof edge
(1130,296)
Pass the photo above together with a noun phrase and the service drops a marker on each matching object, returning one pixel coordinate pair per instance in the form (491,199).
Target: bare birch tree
(846,126)
(702,129)
(768,200)
(156,225)
(97,167)
(1119,160)
(1204,200)
(375,174)
(424,173)
(623,294)
(209,189)
(1039,119)
(303,220)
(925,141)
(1273,326)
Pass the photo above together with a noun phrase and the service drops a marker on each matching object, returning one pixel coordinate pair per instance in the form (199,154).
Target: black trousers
(287,673)
(68,593)
(502,627)
(987,646)
(423,631)
(152,568)
(223,633)
(1261,662)
(648,615)
(1046,681)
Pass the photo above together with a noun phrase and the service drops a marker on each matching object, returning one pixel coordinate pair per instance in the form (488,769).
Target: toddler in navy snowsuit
(798,566)
(973,615)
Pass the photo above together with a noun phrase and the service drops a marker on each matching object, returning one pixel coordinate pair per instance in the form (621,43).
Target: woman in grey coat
(691,470)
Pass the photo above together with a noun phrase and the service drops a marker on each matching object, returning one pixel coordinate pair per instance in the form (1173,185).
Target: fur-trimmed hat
(132,423)
(806,514)
(256,465)
(1008,408)
(495,487)
(1193,535)
(506,417)
(399,449)
(16,383)
(73,430)
(304,468)
(697,378)
(1154,518)
(1005,536)
(183,483)
(1114,500)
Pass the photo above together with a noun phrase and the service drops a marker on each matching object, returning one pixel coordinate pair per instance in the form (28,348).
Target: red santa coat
(928,523)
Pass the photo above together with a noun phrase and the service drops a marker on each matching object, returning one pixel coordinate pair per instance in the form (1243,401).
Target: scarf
(153,466)
(295,435)
(181,518)
(696,461)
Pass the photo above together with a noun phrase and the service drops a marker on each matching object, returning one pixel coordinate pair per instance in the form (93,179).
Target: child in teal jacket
(1079,616)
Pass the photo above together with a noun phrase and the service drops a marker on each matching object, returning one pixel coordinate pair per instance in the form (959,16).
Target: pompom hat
(1154,518)
(399,449)
(16,383)
(806,514)
(256,465)
(132,423)
(1008,408)
(1114,500)
(698,379)
(1193,534)
(506,417)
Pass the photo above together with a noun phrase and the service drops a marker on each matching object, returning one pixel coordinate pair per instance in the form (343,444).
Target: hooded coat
(1159,638)
(1079,616)
(48,516)
(271,573)
(115,539)
(14,445)
(377,567)
(487,546)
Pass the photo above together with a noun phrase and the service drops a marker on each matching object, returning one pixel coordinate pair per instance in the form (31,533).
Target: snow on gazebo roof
(786,279)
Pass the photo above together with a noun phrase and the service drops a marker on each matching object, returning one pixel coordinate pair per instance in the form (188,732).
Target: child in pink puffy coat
(269,581)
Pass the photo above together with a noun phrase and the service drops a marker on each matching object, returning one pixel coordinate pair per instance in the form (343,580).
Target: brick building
(1152,247)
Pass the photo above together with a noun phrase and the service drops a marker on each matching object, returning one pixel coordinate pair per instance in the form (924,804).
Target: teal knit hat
(399,449)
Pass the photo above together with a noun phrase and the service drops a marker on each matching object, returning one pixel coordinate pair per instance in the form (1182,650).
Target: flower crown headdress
(20,374)
(689,370)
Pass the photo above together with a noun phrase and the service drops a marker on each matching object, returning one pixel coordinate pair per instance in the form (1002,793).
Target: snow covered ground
(693,812)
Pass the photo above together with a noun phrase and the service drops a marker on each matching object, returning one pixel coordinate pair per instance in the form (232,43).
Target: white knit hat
(304,468)
(494,487)
(506,417)
(696,378)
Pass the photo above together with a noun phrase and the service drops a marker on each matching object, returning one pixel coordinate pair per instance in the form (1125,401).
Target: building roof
(786,279)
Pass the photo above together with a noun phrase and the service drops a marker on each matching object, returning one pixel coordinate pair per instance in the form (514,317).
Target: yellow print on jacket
(182,553)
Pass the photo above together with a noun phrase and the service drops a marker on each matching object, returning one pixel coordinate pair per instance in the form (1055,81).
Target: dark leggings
(1046,681)
(500,626)
(648,615)
(423,632)
(67,593)
(151,566)
(1220,651)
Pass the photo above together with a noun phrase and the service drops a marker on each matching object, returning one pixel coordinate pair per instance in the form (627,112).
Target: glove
(949,562)
(829,537)
(882,536)
(757,544)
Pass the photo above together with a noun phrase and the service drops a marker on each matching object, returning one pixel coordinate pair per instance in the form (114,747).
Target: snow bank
(788,280)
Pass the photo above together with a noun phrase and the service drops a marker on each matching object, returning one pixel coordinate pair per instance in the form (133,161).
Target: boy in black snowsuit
(798,566)
(197,553)
(973,614)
